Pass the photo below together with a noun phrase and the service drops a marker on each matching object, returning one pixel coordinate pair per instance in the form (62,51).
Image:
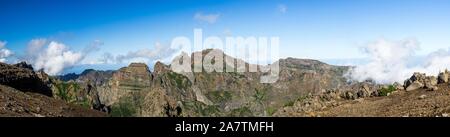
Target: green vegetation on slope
(241,112)
(181,81)
(260,95)
(219,96)
(68,92)
(292,102)
(385,91)
(202,109)
(123,109)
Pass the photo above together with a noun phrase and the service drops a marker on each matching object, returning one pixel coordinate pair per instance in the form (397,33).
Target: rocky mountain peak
(133,78)
(87,71)
(22,77)
(160,67)
(136,69)
(134,74)
(138,65)
(308,64)
(24,65)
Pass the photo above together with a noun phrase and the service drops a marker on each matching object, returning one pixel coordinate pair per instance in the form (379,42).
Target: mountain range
(305,88)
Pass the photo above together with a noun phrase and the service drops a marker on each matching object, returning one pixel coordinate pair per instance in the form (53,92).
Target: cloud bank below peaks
(394,61)
(160,52)
(4,53)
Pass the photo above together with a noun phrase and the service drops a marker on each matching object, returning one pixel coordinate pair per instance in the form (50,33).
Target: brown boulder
(443,77)
(414,86)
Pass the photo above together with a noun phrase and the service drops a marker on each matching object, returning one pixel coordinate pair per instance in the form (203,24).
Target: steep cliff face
(242,94)
(82,89)
(90,80)
(135,91)
(95,77)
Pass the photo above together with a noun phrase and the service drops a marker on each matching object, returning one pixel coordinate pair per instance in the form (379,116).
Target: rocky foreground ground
(14,103)
(428,97)
(417,103)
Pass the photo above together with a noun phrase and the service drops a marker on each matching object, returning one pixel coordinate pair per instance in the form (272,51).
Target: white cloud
(107,58)
(394,61)
(159,52)
(56,58)
(2,44)
(35,45)
(437,61)
(4,53)
(210,18)
(282,8)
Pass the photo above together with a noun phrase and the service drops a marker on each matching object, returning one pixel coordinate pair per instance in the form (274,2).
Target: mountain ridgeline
(304,88)
(137,91)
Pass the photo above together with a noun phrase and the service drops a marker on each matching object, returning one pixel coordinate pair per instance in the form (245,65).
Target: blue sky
(319,29)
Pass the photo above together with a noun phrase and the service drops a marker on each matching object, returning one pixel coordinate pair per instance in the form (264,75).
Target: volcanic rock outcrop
(163,92)
(22,77)
(420,80)
(24,92)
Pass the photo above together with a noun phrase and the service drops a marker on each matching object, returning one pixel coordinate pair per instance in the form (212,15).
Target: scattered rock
(443,77)
(434,88)
(414,86)
(364,91)
(422,96)
(420,77)
(431,83)
(398,86)
(38,115)
(360,100)
(349,95)
(420,80)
